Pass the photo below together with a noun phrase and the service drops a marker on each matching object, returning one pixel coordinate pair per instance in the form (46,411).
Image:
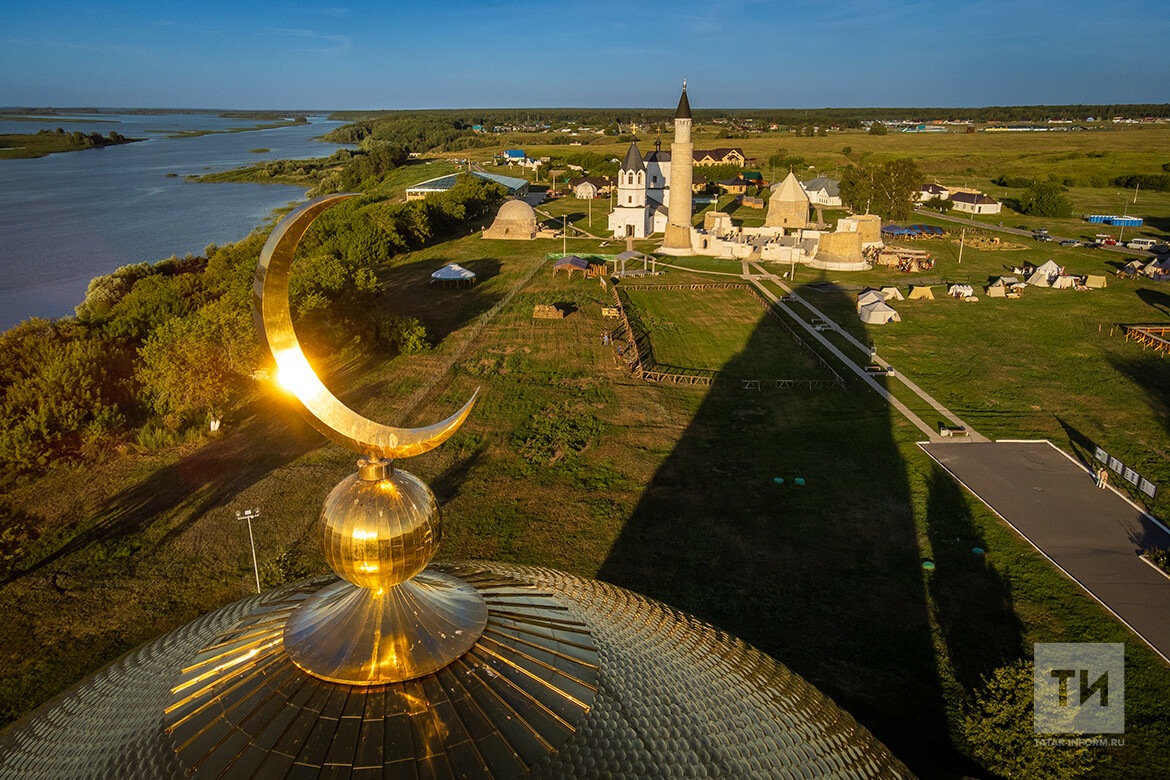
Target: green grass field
(701,330)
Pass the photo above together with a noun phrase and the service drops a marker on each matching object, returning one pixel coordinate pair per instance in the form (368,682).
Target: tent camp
(453,275)
(1158,269)
(878,313)
(892,294)
(869,296)
(960,291)
(921,293)
(1005,287)
(1094,282)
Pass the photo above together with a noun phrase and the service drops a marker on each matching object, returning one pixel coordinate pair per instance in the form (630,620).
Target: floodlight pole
(248,514)
(962,237)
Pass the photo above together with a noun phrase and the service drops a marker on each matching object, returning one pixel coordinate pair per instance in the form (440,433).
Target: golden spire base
(348,634)
(388,620)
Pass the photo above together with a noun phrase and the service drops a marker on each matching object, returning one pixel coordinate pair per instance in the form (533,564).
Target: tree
(199,364)
(877,128)
(1044,199)
(998,730)
(888,189)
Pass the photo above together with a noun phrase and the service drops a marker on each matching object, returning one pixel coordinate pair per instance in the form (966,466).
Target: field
(696,331)
(568,461)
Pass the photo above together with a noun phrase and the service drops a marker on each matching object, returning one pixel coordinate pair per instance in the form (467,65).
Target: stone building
(788,207)
(515,220)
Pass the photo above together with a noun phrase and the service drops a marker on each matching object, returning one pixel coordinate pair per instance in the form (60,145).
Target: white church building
(642,195)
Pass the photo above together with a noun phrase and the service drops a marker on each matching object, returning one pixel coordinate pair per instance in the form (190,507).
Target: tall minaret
(678,227)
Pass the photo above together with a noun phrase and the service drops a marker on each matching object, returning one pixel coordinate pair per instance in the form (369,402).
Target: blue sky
(456,53)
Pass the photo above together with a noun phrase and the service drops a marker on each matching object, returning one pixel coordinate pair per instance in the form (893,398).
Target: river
(69,217)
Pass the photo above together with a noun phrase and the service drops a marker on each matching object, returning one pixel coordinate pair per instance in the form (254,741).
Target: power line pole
(248,514)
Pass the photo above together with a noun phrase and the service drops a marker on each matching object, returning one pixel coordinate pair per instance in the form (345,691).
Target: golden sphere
(379,527)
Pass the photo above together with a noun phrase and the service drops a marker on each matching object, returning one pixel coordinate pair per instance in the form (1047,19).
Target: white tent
(1038,279)
(1049,269)
(454,274)
(1065,282)
(869,296)
(878,313)
(1157,268)
(997,291)
(961,290)
(1095,282)
(892,294)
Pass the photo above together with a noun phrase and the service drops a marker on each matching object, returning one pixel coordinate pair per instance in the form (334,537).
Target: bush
(999,733)
(556,433)
(1044,199)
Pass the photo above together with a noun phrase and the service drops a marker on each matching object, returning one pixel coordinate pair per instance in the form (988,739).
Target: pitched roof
(790,190)
(633,161)
(823,183)
(684,106)
(972,197)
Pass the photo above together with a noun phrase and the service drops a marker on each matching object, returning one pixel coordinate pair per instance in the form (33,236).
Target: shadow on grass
(208,478)
(1152,374)
(972,603)
(822,576)
(1156,299)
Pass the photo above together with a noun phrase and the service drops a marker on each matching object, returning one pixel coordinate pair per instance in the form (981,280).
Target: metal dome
(573,678)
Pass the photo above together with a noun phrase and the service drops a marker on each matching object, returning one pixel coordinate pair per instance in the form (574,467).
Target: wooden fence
(642,361)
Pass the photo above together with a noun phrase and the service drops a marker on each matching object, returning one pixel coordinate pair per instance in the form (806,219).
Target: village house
(719,157)
(823,191)
(975,203)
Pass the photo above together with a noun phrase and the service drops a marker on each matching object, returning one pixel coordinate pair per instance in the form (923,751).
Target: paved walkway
(1092,535)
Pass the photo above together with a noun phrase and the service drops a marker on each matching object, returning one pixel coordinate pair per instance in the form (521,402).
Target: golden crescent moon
(323,410)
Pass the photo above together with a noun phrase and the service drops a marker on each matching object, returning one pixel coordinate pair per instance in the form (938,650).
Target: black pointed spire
(684,105)
(633,161)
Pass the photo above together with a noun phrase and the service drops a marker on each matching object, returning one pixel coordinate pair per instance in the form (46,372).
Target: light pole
(248,514)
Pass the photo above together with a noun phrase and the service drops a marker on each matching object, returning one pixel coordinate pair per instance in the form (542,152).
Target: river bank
(66,219)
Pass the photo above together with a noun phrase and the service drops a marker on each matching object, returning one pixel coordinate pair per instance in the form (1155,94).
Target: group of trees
(173,345)
(889,189)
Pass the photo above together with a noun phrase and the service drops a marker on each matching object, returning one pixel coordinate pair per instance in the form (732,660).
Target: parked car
(1093,245)
(1070,242)
(1041,236)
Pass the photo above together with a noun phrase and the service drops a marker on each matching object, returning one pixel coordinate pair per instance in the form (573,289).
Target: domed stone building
(515,220)
(396,666)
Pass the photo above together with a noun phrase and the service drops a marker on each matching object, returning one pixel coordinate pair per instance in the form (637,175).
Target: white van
(1145,244)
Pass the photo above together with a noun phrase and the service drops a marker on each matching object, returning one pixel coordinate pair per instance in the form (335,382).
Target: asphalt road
(1093,535)
(1028,233)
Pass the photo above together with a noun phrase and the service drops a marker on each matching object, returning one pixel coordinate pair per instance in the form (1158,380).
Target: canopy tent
(1065,282)
(878,313)
(1005,281)
(453,274)
(892,294)
(921,293)
(961,290)
(928,230)
(571,263)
